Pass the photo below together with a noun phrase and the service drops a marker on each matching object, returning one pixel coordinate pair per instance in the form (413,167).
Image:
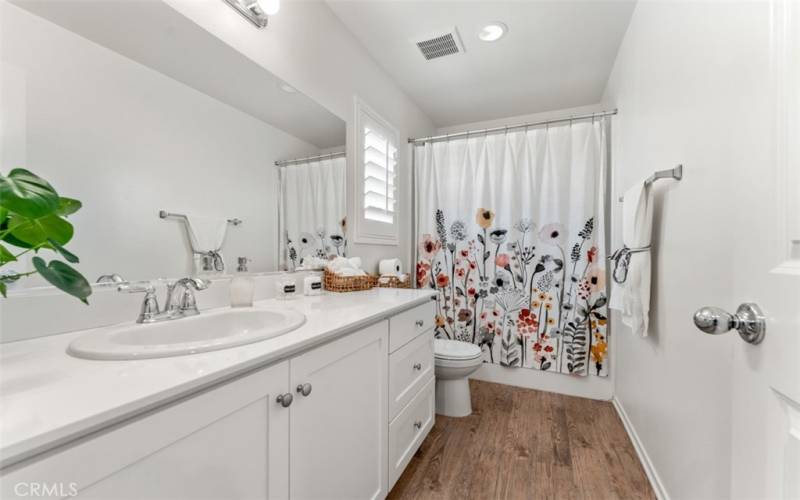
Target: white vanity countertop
(48,397)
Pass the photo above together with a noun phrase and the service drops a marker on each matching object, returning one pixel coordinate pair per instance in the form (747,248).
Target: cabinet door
(228,442)
(339,431)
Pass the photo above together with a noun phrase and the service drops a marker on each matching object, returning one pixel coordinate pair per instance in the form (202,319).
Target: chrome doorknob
(304,389)
(748,320)
(285,399)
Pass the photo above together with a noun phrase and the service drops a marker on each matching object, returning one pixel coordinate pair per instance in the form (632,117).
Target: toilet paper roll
(390,267)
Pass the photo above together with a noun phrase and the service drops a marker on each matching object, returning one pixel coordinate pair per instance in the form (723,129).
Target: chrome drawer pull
(418,366)
(304,389)
(418,424)
(420,323)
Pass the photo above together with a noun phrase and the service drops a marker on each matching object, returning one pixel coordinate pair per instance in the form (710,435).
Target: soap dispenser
(242,286)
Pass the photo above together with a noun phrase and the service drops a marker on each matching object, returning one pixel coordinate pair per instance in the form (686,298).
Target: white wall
(691,84)
(306,45)
(587,387)
(128,141)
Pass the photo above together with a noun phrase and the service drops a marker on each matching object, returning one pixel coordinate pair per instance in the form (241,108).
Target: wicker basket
(394,282)
(336,283)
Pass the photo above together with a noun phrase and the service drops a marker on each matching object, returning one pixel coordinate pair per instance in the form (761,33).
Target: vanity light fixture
(493,31)
(256,11)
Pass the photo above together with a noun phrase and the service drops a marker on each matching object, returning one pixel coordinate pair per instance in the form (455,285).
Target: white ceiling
(556,54)
(154,34)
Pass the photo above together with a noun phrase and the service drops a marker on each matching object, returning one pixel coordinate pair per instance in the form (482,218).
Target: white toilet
(455,361)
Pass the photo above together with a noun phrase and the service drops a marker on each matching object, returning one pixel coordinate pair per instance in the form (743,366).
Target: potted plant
(33,218)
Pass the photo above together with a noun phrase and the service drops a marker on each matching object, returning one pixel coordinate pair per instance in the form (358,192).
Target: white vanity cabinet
(358,412)
(338,432)
(231,441)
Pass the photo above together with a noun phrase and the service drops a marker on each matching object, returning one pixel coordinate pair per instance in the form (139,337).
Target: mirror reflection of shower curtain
(312,210)
(511,233)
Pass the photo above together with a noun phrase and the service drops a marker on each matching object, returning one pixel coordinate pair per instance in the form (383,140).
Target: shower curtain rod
(457,135)
(282,163)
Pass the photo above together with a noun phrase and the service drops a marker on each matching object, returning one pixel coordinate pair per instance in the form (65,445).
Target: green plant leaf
(69,256)
(3,214)
(2,289)
(64,277)
(36,232)
(68,206)
(27,194)
(6,255)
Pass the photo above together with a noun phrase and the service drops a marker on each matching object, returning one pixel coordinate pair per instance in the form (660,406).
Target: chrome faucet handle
(196,283)
(110,279)
(150,310)
(185,303)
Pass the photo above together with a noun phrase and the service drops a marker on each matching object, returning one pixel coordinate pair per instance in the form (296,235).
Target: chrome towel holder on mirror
(671,173)
(163,214)
(211,259)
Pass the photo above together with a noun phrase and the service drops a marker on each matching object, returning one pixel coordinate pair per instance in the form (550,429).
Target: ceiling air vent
(441,45)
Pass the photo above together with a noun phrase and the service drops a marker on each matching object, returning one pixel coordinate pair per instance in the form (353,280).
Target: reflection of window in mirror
(376,172)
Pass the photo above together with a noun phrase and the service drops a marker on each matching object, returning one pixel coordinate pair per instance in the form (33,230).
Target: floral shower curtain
(312,213)
(511,234)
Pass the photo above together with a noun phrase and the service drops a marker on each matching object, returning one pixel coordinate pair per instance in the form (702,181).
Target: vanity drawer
(410,368)
(407,325)
(409,429)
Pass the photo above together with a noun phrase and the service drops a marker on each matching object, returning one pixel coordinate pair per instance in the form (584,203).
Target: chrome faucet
(180,301)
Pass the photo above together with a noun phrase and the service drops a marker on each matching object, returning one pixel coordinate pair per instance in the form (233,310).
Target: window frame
(368,231)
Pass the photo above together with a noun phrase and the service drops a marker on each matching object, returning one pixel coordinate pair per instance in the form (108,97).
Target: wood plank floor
(526,444)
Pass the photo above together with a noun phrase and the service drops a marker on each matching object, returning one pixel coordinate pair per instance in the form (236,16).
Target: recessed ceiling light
(493,32)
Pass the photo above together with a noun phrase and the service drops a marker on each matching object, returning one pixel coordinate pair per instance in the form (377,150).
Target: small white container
(312,285)
(285,288)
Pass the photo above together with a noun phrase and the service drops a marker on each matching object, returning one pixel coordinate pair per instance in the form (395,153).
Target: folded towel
(207,234)
(351,272)
(313,263)
(632,297)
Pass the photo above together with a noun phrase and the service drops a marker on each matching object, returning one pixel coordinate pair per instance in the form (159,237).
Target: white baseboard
(591,387)
(649,469)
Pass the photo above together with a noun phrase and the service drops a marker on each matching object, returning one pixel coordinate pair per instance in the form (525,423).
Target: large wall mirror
(155,125)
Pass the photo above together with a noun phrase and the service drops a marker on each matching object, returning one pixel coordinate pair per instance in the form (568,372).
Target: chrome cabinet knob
(418,366)
(749,321)
(420,323)
(418,424)
(304,389)
(285,399)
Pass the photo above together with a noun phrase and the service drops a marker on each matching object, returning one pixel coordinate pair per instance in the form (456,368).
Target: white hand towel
(207,233)
(632,298)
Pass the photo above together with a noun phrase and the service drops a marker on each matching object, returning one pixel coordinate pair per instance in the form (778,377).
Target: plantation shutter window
(380,160)
(376,178)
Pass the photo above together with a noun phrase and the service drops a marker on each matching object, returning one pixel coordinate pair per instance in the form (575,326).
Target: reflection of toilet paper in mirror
(390,267)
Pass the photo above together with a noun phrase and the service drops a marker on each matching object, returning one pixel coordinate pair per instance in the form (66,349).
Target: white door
(338,421)
(765,451)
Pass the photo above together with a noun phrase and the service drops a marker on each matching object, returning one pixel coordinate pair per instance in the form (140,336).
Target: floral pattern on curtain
(511,236)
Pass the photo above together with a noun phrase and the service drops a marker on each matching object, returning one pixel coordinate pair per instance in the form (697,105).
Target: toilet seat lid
(455,349)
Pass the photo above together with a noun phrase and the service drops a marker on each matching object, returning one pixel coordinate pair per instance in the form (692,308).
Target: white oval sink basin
(208,331)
